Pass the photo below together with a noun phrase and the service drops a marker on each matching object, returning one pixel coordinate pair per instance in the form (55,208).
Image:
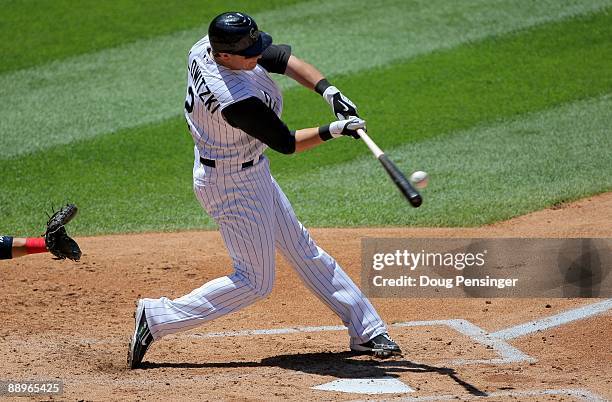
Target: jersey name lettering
(204,93)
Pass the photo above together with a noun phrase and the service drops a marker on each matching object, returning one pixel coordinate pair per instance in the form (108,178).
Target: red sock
(35,245)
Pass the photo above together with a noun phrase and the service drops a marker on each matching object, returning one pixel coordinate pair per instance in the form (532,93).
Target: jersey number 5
(189,101)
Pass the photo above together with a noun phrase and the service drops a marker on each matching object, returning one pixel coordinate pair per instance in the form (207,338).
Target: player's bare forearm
(19,247)
(307,138)
(304,73)
(308,76)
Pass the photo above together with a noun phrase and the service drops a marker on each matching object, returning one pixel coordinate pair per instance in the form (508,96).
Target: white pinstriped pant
(255,217)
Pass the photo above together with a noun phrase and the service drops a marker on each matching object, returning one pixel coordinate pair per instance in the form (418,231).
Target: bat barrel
(413,196)
(401,181)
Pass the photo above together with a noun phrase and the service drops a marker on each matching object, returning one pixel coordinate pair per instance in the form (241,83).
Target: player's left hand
(342,107)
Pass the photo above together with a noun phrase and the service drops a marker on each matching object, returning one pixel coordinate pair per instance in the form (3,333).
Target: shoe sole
(380,353)
(137,316)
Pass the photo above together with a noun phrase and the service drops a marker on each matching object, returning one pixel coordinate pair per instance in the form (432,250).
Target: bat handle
(373,147)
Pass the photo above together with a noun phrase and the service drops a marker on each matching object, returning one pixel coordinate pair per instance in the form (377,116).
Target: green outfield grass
(35,32)
(446,91)
(141,82)
(505,125)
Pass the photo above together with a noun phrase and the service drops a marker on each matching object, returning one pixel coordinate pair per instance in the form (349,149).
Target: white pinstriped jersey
(210,88)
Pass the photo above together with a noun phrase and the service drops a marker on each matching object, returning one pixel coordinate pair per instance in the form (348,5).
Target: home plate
(384,385)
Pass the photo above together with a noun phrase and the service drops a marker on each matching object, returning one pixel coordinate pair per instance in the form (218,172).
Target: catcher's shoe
(142,338)
(380,346)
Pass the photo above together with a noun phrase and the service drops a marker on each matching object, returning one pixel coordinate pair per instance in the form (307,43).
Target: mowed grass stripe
(55,30)
(462,87)
(142,82)
(140,179)
(477,176)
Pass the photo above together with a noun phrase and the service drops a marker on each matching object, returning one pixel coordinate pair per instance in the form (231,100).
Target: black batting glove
(342,107)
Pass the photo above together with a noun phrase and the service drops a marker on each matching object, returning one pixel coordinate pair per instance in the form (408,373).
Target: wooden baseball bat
(413,196)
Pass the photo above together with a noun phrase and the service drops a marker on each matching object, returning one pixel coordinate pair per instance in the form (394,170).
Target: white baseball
(419,179)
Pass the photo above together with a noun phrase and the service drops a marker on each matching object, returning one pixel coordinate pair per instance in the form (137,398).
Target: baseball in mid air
(419,179)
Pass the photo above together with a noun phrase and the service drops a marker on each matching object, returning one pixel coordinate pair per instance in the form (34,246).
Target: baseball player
(233,111)
(55,240)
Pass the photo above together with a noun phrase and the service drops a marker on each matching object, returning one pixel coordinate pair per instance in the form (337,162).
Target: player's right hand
(347,127)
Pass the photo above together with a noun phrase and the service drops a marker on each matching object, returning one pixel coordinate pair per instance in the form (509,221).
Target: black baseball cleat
(380,346)
(142,338)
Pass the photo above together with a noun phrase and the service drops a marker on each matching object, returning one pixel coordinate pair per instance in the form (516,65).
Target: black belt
(211,163)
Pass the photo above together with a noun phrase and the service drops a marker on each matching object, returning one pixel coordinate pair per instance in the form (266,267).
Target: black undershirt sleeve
(253,117)
(275,58)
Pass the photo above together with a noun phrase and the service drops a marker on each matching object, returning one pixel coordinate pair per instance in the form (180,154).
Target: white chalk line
(496,340)
(507,353)
(255,332)
(578,393)
(554,321)
(463,326)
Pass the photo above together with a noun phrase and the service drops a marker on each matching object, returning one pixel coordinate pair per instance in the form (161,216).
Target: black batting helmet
(237,33)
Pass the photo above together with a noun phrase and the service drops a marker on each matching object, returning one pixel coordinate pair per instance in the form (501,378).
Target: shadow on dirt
(340,365)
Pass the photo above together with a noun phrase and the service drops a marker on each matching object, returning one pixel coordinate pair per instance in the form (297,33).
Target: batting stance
(233,111)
